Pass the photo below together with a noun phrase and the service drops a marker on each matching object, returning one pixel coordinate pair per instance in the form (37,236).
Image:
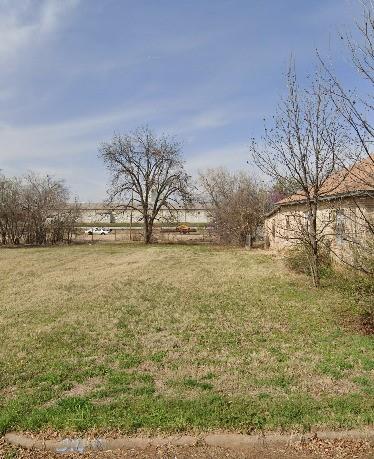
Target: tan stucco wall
(282,231)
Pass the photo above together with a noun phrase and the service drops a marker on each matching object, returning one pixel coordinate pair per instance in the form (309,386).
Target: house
(345,212)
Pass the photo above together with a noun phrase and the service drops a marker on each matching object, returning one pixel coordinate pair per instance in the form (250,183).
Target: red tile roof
(359,178)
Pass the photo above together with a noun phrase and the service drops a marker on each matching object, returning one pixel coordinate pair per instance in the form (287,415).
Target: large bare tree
(302,147)
(147,174)
(356,106)
(356,109)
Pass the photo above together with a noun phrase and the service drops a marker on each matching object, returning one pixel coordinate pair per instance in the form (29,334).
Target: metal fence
(163,235)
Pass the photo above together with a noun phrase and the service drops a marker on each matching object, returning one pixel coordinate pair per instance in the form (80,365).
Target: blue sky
(206,71)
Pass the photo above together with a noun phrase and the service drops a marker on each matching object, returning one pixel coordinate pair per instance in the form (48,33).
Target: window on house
(288,226)
(331,216)
(340,226)
(354,222)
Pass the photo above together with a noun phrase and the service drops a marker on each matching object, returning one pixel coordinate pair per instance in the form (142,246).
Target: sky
(208,72)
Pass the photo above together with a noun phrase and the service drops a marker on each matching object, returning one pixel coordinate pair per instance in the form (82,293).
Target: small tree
(302,148)
(238,203)
(147,174)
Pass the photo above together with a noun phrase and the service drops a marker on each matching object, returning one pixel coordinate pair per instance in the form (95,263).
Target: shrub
(363,256)
(364,292)
(361,289)
(359,283)
(297,259)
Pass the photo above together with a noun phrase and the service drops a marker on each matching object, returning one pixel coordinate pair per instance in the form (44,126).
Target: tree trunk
(148,229)
(147,236)
(314,259)
(314,268)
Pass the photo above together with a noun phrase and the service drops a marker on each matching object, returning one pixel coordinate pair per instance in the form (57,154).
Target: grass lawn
(173,338)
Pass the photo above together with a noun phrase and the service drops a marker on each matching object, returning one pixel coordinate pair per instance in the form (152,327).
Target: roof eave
(331,197)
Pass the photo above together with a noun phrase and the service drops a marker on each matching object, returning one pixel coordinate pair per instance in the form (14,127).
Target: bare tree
(281,189)
(147,174)
(35,210)
(354,107)
(302,147)
(13,220)
(63,221)
(43,199)
(238,203)
(356,111)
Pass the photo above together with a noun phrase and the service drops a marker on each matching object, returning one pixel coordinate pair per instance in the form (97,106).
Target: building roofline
(331,197)
(272,212)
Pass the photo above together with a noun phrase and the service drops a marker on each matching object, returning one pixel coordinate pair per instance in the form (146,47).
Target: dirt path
(338,449)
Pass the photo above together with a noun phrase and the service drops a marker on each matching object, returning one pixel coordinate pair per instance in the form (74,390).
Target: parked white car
(101,231)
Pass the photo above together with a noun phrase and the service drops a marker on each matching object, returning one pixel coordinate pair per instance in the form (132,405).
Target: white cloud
(232,156)
(63,149)
(80,135)
(70,137)
(203,119)
(52,12)
(25,24)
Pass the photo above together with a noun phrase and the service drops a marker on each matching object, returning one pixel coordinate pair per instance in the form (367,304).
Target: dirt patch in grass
(84,388)
(103,401)
(77,390)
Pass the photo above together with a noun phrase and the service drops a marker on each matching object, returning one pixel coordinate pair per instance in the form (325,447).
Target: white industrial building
(107,214)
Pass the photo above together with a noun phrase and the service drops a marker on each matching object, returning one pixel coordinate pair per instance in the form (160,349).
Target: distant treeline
(35,210)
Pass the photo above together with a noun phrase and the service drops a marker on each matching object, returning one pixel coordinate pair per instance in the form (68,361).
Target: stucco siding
(341,222)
